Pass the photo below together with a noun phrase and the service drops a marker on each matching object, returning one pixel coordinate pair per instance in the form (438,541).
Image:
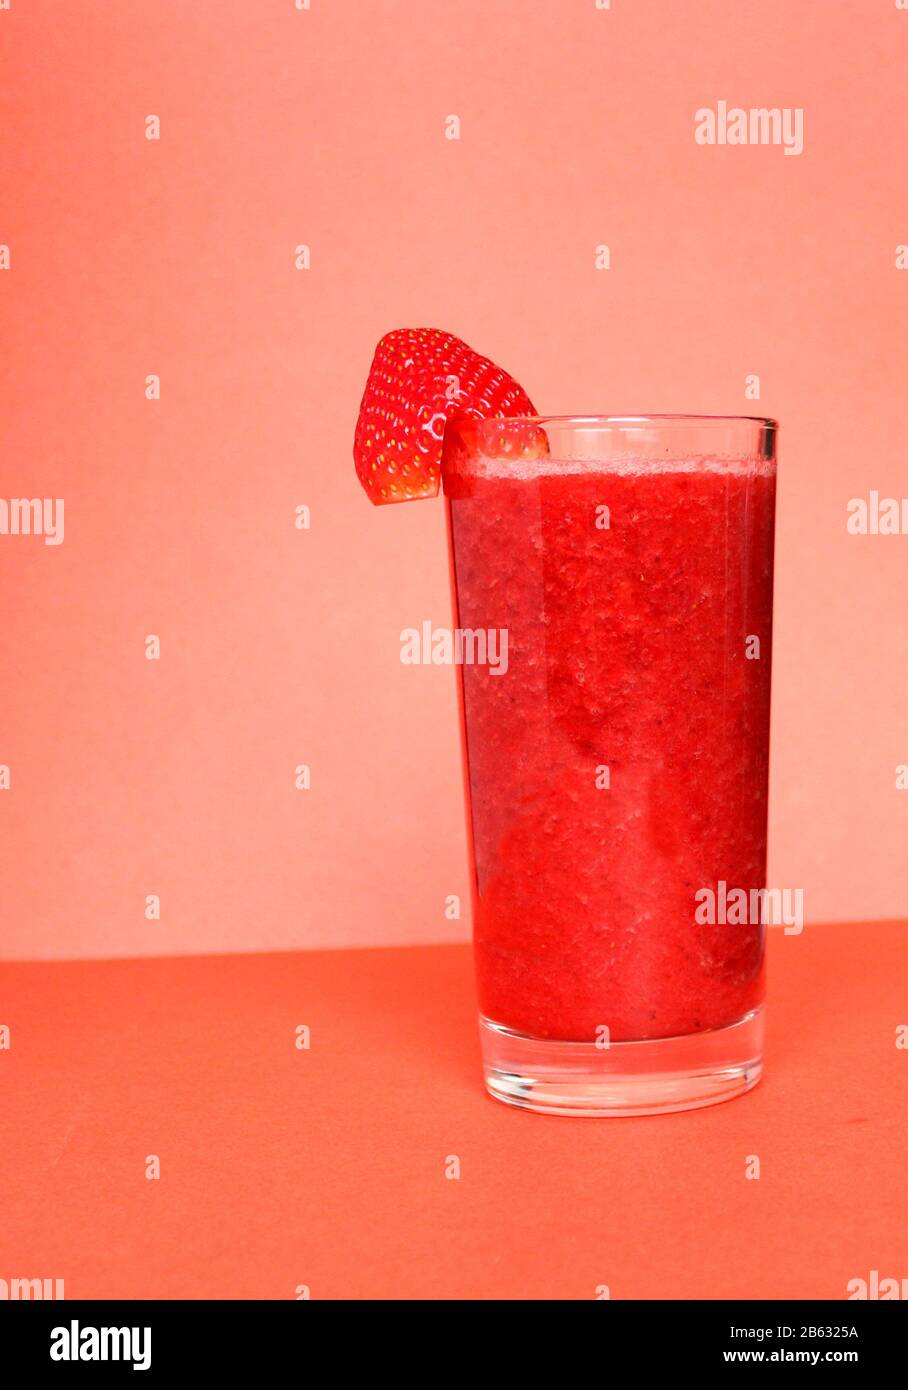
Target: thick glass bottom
(627,1078)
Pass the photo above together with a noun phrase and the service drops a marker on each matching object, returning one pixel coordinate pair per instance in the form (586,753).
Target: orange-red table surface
(283,1167)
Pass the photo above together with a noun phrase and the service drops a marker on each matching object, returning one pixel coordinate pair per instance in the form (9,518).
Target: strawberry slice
(478,449)
(420,377)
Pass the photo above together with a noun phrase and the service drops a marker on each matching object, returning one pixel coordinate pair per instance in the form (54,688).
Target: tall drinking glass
(612,579)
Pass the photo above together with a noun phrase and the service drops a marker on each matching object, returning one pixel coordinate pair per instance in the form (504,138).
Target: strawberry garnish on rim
(419,378)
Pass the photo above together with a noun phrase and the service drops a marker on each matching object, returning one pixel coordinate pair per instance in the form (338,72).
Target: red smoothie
(619,765)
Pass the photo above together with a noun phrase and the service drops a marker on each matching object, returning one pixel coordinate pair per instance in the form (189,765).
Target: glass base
(627,1078)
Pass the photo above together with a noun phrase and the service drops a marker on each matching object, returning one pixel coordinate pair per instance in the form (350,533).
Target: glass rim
(623,421)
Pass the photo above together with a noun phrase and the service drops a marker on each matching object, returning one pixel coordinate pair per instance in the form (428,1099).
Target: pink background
(279,647)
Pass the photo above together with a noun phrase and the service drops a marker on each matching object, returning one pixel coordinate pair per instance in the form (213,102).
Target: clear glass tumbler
(612,579)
